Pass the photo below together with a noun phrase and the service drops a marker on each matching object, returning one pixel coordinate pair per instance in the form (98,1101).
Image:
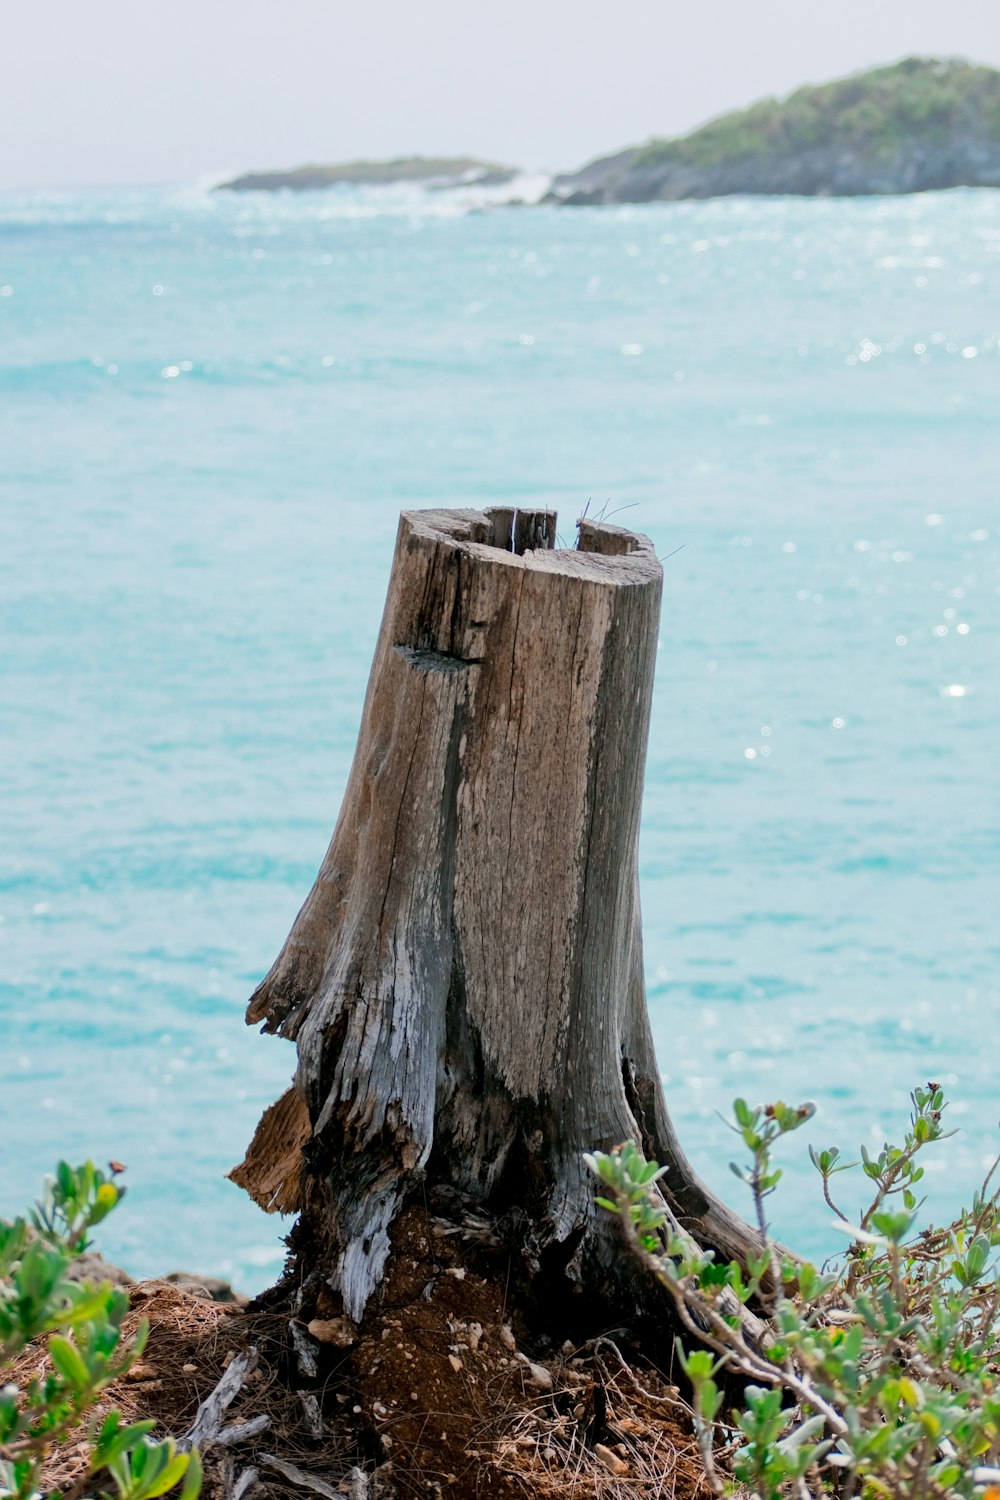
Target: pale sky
(124,91)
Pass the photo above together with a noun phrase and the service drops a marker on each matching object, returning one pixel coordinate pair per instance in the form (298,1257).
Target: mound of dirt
(446,1389)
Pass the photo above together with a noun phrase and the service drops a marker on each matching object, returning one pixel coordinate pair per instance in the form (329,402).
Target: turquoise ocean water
(212,410)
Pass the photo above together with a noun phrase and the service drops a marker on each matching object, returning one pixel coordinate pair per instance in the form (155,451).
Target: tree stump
(464,982)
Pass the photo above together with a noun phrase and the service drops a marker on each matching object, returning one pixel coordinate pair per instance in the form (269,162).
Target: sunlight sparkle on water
(194,575)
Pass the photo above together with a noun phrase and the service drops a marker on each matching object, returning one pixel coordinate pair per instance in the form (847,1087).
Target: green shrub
(83,1324)
(873,112)
(878,1378)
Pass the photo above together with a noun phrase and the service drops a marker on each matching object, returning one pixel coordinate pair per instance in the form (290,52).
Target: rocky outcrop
(919,125)
(91,1266)
(441,170)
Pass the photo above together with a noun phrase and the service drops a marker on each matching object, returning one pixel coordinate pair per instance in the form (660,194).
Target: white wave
(256,210)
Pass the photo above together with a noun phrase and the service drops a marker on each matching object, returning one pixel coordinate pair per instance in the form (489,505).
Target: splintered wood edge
(526,539)
(271,1169)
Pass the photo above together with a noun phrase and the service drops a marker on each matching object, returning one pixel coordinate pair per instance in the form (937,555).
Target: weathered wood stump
(464,982)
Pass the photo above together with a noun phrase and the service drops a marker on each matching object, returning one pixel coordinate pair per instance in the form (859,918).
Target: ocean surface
(212,409)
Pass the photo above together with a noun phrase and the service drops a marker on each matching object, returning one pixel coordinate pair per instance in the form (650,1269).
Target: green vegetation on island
(919,124)
(450,170)
(875,111)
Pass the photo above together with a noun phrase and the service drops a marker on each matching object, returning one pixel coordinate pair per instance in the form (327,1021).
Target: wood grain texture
(464,981)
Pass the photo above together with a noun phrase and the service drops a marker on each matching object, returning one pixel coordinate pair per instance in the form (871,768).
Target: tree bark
(464,982)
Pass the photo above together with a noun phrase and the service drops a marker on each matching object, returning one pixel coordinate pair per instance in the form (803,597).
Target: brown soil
(444,1390)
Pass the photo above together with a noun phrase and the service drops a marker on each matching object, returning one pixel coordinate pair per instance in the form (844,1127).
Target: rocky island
(920,124)
(916,125)
(444,171)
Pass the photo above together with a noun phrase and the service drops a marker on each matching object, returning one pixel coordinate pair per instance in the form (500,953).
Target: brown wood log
(464,982)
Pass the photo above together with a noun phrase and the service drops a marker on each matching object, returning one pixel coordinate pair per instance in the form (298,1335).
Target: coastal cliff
(446,171)
(921,124)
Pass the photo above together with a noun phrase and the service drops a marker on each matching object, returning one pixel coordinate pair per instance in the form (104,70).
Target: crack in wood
(424,659)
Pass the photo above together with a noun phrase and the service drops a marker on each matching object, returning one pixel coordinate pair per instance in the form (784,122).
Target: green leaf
(111,1444)
(823,1160)
(141,1457)
(67,1360)
(41,1269)
(976,1257)
(698,1365)
(91,1304)
(171,1474)
(931,1423)
(120,1471)
(745,1116)
(192,1479)
(894,1226)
